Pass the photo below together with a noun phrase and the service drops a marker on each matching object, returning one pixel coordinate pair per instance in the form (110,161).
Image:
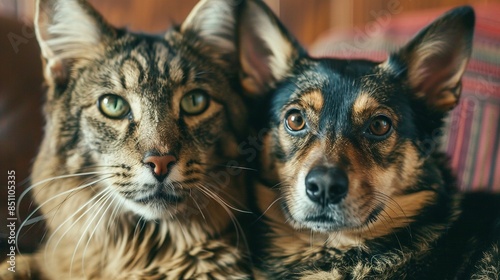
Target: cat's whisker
(199,208)
(89,183)
(74,214)
(139,222)
(29,220)
(227,166)
(111,222)
(25,192)
(89,222)
(268,208)
(224,205)
(238,167)
(114,213)
(228,196)
(197,205)
(184,233)
(68,219)
(101,167)
(98,197)
(230,206)
(95,228)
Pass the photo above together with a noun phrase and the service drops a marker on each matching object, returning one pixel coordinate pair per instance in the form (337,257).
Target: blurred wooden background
(305,18)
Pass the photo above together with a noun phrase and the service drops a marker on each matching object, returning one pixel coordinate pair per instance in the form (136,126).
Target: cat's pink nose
(160,164)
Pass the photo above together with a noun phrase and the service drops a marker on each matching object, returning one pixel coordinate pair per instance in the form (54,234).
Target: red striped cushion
(472,133)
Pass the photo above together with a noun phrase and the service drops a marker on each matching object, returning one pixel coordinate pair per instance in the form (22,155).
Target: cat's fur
(107,215)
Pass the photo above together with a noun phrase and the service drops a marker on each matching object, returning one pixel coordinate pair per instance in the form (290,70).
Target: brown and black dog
(346,191)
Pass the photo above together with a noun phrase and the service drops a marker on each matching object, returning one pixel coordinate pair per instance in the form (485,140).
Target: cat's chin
(154,207)
(154,210)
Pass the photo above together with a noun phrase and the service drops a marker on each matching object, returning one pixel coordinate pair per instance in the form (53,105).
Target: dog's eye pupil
(380,126)
(295,121)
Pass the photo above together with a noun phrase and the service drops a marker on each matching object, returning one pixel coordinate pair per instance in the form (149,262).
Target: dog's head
(346,136)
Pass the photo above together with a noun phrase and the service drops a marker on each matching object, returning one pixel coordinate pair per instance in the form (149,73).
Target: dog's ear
(436,58)
(68,31)
(267,51)
(211,28)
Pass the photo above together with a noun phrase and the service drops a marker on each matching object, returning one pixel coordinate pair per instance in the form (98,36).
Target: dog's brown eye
(295,121)
(380,126)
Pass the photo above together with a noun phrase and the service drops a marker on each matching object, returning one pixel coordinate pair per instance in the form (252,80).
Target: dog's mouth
(336,220)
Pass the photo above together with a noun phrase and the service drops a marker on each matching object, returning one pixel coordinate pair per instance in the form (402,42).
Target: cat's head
(153,120)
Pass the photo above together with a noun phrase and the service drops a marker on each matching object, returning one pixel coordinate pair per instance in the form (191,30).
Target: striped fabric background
(472,133)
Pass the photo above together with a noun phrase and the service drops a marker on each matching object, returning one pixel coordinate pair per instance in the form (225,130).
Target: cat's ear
(211,28)
(68,31)
(267,51)
(436,58)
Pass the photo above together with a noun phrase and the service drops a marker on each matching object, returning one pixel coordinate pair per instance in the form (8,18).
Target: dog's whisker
(278,185)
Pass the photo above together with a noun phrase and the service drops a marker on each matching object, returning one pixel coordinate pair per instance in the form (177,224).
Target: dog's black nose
(326,185)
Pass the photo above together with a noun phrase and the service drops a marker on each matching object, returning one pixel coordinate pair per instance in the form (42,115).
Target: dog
(346,191)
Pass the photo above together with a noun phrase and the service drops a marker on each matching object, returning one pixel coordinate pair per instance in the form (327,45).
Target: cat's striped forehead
(153,60)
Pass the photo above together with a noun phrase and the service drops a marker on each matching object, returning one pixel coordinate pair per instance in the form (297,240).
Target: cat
(138,175)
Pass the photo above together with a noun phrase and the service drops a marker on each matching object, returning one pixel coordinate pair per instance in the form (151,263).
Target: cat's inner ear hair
(67,31)
(211,26)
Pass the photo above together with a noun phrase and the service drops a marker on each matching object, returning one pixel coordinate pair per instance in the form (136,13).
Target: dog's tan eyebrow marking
(361,106)
(313,99)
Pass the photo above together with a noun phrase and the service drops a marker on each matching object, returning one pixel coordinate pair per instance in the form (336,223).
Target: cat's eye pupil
(193,99)
(113,106)
(194,102)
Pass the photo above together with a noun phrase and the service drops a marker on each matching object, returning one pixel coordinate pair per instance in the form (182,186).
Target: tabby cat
(138,174)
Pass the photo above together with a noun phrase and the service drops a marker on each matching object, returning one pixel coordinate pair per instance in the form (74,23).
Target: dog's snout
(326,185)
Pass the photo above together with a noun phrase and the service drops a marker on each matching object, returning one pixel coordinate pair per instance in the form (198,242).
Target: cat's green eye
(195,102)
(113,106)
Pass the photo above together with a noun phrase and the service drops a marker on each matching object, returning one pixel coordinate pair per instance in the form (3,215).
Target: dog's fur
(402,217)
